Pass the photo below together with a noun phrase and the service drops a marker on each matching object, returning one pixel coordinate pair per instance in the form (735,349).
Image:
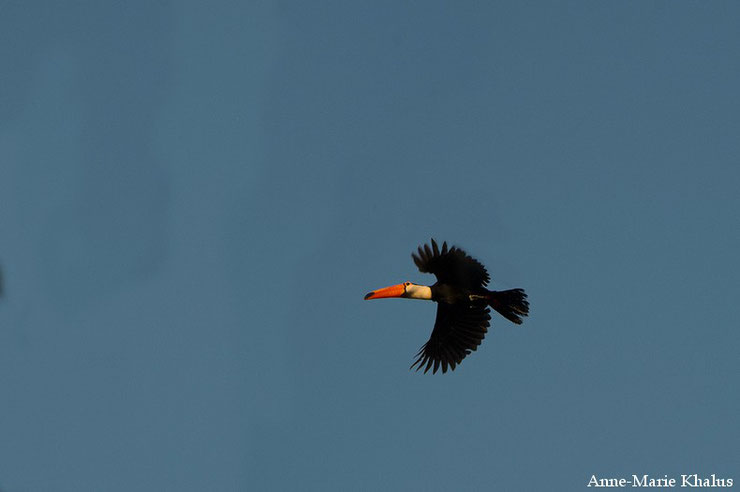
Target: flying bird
(462,304)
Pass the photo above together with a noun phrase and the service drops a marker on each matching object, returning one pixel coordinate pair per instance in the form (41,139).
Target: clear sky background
(194,198)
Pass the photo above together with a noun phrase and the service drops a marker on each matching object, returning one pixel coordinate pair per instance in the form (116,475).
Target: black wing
(451,266)
(458,330)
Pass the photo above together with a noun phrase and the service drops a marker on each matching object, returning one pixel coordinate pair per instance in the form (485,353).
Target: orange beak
(392,291)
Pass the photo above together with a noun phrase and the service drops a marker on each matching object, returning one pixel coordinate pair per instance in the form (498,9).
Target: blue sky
(195,198)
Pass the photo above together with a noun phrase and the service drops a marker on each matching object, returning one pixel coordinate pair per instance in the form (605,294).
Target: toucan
(463,303)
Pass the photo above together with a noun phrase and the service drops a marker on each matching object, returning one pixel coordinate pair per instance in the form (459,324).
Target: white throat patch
(418,292)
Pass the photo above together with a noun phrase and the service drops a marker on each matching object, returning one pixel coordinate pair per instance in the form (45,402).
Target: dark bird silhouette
(462,304)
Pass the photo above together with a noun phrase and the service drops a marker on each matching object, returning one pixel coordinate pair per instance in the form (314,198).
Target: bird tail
(511,304)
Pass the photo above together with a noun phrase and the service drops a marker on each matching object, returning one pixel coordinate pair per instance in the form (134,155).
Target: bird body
(463,303)
(451,294)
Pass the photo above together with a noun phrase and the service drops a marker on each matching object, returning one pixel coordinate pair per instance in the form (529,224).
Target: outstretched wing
(451,266)
(458,330)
